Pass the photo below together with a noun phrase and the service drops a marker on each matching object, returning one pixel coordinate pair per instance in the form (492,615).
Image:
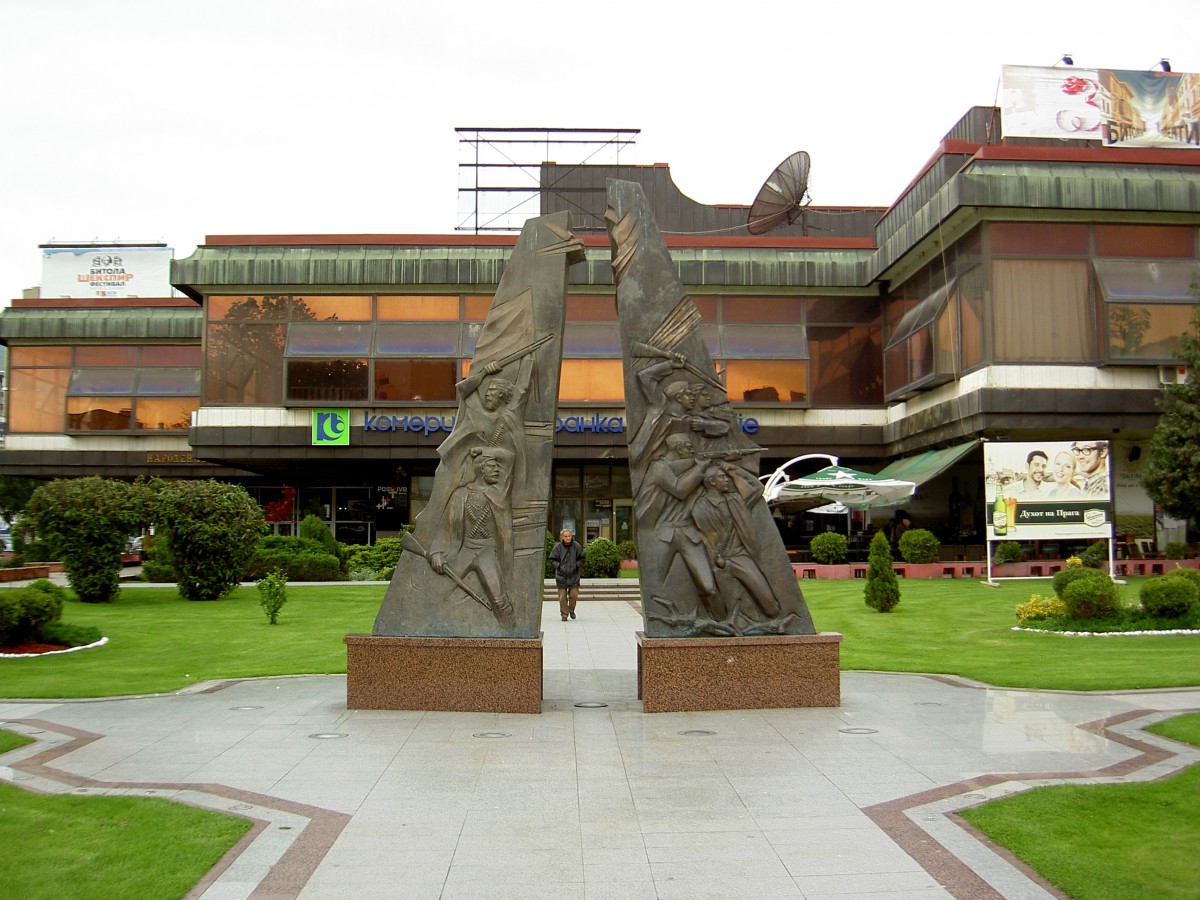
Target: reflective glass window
(106,356)
(327,380)
(600,380)
(414,379)
(591,339)
(844,310)
(241,308)
(416,339)
(37,399)
(356,308)
(708,307)
(22,357)
(1041,311)
(568,480)
(99,413)
(591,308)
(762,309)
(764,341)
(846,365)
(328,339)
(1145,331)
(1039,238)
(767,381)
(1159,241)
(169,381)
(475,307)
(244,364)
(102,381)
(165,413)
(1167,281)
(171,355)
(414,307)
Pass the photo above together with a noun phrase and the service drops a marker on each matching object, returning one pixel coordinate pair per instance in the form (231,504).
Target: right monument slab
(711,561)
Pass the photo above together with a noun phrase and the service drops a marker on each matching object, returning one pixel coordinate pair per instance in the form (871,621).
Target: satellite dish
(782,197)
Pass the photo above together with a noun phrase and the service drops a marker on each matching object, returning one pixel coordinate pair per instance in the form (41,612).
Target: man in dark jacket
(566,559)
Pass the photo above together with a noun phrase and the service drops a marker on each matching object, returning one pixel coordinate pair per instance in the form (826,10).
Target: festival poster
(1119,107)
(1048,490)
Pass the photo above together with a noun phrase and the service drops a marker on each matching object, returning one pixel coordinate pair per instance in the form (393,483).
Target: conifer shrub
(1096,555)
(829,548)
(882,591)
(1007,552)
(627,549)
(1071,574)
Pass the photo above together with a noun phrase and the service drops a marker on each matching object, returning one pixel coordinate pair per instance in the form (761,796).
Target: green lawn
(1111,841)
(108,847)
(964,628)
(159,643)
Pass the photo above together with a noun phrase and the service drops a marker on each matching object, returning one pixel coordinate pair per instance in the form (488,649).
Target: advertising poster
(97,271)
(1047,490)
(1120,107)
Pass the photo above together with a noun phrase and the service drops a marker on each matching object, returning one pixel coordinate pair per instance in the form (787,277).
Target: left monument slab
(471,574)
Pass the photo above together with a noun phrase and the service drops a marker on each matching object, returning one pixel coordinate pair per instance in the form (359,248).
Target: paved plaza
(594,798)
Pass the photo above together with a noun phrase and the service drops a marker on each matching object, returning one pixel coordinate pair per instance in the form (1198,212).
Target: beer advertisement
(1047,490)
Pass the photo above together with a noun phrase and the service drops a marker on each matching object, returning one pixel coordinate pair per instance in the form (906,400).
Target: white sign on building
(106,270)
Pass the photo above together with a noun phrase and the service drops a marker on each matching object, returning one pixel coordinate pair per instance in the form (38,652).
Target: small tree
(883,589)
(212,529)
(315,529)
(1172,472)
(89,520)
(273,594)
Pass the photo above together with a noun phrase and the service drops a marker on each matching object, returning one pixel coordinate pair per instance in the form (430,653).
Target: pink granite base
(761,672)
(447,674)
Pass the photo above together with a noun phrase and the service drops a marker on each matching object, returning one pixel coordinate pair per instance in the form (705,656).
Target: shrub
(23,612)
(919,545)
(1063,577)
(59,632)
(1007,552)
(627,549)
(299,562)
(212,529)
(160,564)
(1178,550)
(1074,562)
(89,520)
(1091,598)
(1169,596)
(601,559)
(1039,608)
(882,591)
(829,548)
(547,569)
(14,561)
(315,529)
(1096,555)
(273,594)
(383,556)
(1192,575)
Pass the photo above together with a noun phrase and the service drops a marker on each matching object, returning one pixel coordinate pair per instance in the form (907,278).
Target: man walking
(566,558)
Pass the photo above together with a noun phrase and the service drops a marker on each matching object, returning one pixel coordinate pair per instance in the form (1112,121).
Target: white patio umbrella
(850,487)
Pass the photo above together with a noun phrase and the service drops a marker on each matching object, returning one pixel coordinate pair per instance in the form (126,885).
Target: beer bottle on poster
(999,512)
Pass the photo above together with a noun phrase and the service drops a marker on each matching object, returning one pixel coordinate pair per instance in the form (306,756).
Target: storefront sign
(1047,490)
(331,427)
(432,424)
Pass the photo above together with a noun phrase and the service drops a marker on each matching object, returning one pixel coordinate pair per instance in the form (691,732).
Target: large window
(1147,306)
(104,388)
(1041,311)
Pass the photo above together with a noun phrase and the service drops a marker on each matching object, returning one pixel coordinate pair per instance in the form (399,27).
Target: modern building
(1018,289)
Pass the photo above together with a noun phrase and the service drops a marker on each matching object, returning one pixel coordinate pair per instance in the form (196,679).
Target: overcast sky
(173,119)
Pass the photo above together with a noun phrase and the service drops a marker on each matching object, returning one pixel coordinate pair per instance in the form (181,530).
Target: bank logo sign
(331,427)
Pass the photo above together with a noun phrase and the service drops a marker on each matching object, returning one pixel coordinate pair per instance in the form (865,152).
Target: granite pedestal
(446,674)
(760,672)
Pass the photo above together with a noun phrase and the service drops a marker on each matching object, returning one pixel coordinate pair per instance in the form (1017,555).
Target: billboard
(1121,107)
(1047,490)
(100,270)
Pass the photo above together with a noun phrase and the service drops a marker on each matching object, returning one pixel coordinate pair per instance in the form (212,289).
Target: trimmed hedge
(1169,596)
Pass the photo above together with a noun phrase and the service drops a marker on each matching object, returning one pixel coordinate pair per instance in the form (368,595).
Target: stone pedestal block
(446,674)
(761,672)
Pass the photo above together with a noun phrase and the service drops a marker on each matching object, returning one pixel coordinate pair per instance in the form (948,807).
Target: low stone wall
(24,573)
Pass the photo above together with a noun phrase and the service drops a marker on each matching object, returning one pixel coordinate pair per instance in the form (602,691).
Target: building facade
(1017,290)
